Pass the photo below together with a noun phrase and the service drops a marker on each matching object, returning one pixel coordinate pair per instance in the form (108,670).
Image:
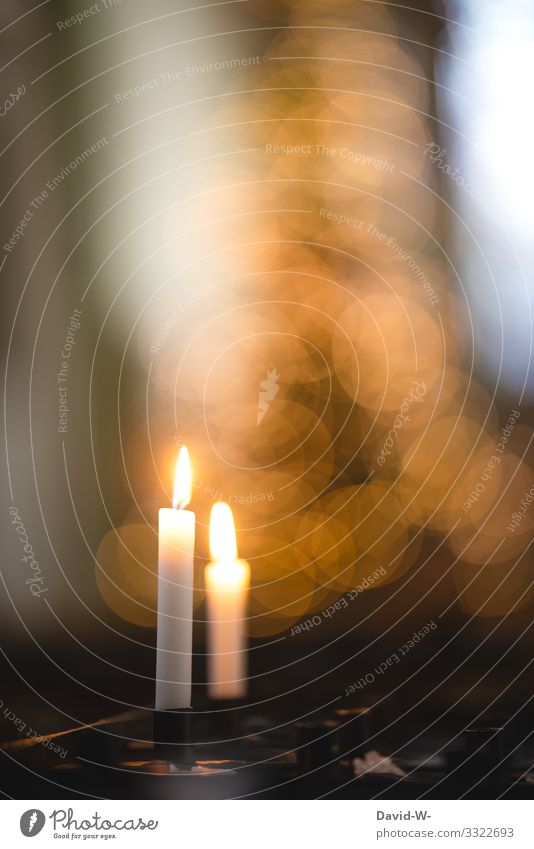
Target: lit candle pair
(227,580)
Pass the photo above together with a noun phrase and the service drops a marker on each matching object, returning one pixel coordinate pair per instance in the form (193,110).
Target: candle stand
(233,751)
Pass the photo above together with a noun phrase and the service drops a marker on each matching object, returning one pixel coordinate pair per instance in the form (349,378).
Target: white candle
(176,543)
(227,580)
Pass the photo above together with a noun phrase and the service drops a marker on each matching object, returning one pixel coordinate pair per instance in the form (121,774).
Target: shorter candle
(227,581)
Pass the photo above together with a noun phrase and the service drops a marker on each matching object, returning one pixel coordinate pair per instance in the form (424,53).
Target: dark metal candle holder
(227,716)
(316,744)
(355,732)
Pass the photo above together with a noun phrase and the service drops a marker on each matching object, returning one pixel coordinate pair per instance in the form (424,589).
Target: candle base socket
(174,737)
(227,704)
(227,718)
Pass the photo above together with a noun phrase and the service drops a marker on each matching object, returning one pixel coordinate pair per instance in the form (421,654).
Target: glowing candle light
(227,580)
(176,544)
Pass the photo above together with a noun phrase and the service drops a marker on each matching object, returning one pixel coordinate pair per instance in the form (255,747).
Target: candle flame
(223,545)
(182,480)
